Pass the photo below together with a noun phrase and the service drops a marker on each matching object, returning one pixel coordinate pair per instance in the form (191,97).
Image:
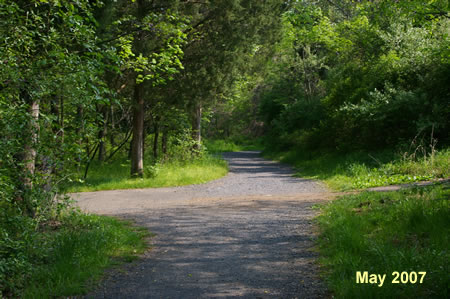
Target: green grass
(361,170)
(221,145)
(407,230)
(116,174)
(73,254)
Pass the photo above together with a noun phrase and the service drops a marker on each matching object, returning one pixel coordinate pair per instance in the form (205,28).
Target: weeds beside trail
(360,170)
(403,231)
(220,145)
(116,174)
(216,236)
(382,232)
(67,257)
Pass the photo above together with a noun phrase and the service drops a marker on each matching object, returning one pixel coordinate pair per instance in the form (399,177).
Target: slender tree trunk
(137,154)
(196,126)
(128,135)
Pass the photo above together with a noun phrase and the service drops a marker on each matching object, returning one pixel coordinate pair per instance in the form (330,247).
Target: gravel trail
(246,235)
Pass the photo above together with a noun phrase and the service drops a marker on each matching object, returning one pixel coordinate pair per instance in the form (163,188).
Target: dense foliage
(138,81)
(358,75)
(85,80)
(46,65)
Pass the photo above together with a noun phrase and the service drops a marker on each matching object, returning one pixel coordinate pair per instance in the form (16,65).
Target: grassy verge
(402,231)
(116,174)
(364,170)
(72,254)
(221,145)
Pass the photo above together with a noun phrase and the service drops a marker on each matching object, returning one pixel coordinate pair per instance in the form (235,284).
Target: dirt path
(248,235)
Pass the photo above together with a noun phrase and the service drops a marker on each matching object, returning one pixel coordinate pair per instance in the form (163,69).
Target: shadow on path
(248,235)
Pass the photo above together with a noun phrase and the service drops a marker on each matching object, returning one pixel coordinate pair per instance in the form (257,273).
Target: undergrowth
(216,146)
(359,170)
(402,231)
(181,168)
(67,255)
(116,174)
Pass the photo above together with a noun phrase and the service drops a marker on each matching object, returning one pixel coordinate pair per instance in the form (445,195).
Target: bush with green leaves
(183,147)
(364,79)
(45,74)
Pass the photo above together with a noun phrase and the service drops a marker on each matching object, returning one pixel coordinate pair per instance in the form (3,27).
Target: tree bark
(137,143)
(137,153)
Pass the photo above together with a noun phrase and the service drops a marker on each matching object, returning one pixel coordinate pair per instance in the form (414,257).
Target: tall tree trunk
(196,125)
(137,143)
(137,154)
